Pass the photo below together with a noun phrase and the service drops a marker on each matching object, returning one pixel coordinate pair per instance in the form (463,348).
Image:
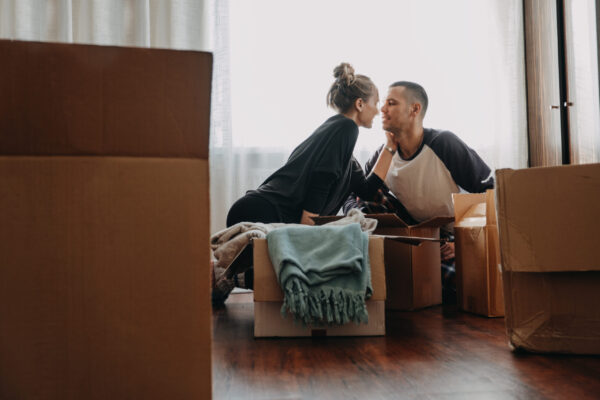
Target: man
(428,166)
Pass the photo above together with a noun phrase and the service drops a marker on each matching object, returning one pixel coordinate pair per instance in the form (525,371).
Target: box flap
(434,222)
(73,99)
(490,203)
(383,220)
(390,220)
(387,220)
(548,218)
(463,202)
(412,240)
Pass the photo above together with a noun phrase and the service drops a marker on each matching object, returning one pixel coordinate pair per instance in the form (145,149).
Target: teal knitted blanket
(324,272)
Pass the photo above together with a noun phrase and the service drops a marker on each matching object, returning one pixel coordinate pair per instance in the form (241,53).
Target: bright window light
(467,54)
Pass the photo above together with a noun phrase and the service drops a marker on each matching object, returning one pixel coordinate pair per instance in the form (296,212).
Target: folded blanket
(323,271)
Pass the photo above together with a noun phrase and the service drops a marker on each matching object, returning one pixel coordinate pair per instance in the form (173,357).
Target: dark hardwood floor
(425,355)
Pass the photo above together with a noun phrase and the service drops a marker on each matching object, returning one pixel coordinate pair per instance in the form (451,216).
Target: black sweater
(319,174)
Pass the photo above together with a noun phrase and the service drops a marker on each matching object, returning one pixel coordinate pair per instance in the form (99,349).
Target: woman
(321,172)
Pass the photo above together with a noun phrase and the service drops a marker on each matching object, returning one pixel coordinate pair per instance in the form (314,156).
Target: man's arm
(468,170)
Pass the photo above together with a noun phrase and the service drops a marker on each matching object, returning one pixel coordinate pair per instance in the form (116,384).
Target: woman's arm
(385,157)
(366,187)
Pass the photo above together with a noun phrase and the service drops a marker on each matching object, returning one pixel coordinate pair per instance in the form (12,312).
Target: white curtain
(174,24)
(179,24)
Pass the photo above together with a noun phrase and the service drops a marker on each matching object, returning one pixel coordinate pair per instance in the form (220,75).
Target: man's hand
(447,251)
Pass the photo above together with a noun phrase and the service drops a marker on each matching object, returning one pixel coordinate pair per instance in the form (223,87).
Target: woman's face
(369,110)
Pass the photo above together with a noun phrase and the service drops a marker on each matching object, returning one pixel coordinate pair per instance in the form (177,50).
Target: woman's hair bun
(348,87)
(344,73)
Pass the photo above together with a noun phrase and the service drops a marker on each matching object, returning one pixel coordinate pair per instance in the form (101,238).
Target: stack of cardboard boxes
(549,239)
(478,277)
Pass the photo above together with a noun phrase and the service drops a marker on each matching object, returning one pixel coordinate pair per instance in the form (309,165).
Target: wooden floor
(425,355)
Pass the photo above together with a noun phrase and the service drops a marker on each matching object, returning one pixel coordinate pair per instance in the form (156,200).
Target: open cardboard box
(548,220)
(413,273)
(268,298)
(104,210)
(478,276)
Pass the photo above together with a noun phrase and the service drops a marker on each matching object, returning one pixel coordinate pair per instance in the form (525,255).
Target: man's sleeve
(468,170)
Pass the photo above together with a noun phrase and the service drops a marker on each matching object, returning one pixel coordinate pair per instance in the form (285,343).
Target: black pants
(250,208)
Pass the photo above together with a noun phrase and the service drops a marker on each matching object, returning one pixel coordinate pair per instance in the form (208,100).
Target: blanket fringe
(326,306)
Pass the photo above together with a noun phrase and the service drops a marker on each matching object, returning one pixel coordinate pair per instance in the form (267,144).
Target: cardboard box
(268,298)
(66,99)
(104,277)
(478,275)
(413,273)
(548,222)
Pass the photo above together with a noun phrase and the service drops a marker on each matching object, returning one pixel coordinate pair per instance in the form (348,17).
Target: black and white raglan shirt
(424,183)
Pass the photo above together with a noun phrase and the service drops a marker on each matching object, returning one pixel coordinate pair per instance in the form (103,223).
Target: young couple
(420,167)
(321,172)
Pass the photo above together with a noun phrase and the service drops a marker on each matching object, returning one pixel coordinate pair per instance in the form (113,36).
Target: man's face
(395,113)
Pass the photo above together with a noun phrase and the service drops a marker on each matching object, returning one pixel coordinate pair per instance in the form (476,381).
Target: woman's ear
(359,104)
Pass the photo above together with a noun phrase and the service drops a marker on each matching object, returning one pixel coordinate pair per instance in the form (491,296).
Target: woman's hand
(391,141)
(306,218)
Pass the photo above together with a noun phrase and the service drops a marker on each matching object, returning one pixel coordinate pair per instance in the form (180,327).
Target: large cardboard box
(478,276)
(413,273)
(268,298)
(104,203)
(548,222)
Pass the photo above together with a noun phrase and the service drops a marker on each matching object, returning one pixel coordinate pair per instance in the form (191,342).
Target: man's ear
(416,109)
(359,104)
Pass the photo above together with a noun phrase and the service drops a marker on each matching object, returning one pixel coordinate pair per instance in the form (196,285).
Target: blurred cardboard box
(548,221)
(104,203)
(413,273)
(478,276)
(268,299)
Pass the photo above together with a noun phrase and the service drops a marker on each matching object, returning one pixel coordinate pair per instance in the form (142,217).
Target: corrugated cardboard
(548,223)
(413,273)
(104,277)
(65,99)
(478,276)
(268,299)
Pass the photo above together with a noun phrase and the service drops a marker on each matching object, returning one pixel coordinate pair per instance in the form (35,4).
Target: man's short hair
(417,92)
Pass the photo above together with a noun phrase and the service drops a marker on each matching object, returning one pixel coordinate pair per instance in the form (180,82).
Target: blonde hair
(348,87)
